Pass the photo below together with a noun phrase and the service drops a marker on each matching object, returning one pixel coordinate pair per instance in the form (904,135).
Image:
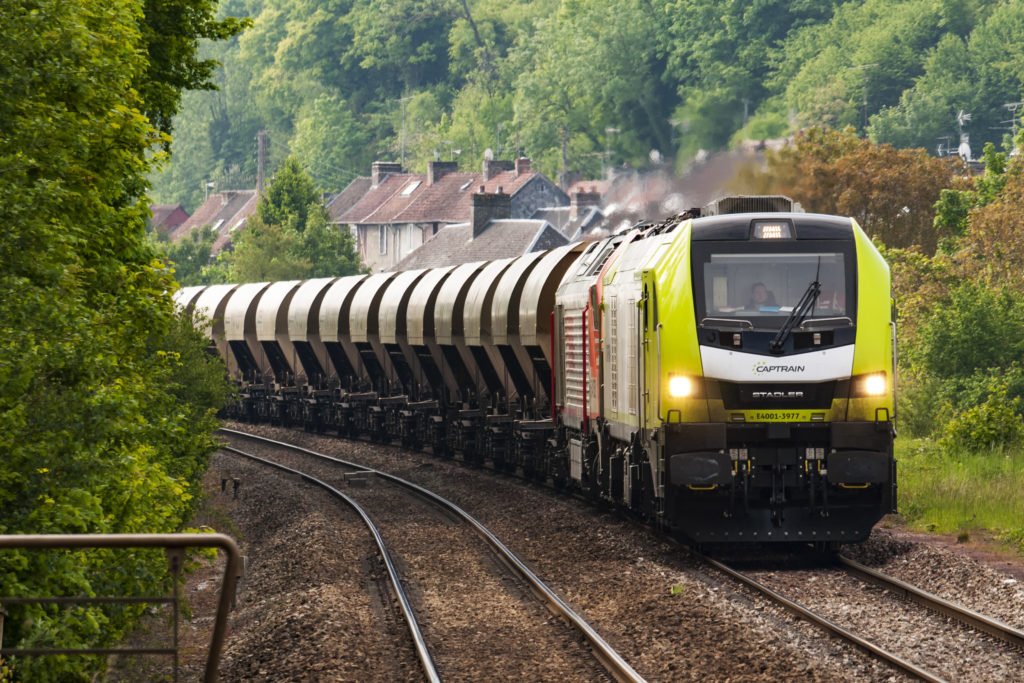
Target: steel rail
(869,647)
(426,660)
(613,662)
(962,614)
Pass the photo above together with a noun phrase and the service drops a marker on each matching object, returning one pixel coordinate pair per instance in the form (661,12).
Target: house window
(410,188)
(412,231)
(383,239)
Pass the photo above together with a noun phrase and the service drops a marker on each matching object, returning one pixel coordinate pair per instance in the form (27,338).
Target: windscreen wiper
(797,315)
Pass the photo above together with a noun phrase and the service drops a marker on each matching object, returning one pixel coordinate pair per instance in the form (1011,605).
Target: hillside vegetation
(339,83)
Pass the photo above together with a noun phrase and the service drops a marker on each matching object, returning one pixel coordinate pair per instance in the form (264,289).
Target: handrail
(232,571)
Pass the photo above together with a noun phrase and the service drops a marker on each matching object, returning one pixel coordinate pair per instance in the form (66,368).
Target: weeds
(955,490)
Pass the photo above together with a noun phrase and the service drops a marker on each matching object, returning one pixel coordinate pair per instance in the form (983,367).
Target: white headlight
(874,385)
(679,387)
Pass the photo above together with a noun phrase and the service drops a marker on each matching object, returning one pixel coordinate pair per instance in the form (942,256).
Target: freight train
(727,374)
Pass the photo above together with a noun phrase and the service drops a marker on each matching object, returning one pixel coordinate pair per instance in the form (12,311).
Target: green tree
(954,206)
(191,256)
(891,193)
(330,249)
(290,237)
(287,200)
(333,141)
(170,33)
(264,253)
(590,69)
(106,400)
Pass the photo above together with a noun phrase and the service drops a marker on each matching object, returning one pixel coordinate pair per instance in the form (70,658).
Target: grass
(956,492)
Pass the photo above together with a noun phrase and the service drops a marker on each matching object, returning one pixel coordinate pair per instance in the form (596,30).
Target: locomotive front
(775,352)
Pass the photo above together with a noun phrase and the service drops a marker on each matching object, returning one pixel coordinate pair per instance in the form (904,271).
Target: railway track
(885,629)
(409,528)
(966,616)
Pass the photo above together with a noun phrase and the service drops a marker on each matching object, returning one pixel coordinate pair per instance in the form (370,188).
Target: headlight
(874,385)
(680,387)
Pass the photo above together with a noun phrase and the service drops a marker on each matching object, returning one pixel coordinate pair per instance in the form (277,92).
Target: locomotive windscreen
(763,287)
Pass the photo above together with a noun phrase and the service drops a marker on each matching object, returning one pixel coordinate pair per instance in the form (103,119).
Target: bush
(992,424)
(976,328)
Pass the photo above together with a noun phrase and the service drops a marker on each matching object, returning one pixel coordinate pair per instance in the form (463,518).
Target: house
(400,211)
(166,217)
(225,212)
(491,233)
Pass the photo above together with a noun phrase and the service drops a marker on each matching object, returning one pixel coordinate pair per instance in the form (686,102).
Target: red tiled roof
(385,200)
(599,186)
(221,210)
(167,216)
(224,212)
(448,200)
(348,197)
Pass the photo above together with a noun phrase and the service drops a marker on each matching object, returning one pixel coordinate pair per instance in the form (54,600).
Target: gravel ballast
(668,615)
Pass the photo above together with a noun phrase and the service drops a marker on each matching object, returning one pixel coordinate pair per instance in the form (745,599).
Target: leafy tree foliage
(291,237)
(170,34)
(289,197)
(890,192)
(191,257)
(107,399)
(266,253)
(972,329)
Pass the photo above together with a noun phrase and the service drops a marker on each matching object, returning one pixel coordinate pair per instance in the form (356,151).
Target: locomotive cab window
(762,285)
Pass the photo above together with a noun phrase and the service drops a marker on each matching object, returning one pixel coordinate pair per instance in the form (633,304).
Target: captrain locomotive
(727,374)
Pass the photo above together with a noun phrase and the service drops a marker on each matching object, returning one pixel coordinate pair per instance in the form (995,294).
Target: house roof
(455,244)
(448,200)
(557,216)
(393,194)
(347,198)
(224,212)
(582,227)
(166,215)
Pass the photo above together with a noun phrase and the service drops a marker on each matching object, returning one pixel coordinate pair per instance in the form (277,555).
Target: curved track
(429,669)
(612,662)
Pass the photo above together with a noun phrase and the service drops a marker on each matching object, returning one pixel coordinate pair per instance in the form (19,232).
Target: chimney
(522,166)
(379,169)
(493,167)
(489,207)
(581,200)
(439,169)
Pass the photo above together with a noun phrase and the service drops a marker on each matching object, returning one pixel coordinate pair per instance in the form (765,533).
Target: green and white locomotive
(731,375)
